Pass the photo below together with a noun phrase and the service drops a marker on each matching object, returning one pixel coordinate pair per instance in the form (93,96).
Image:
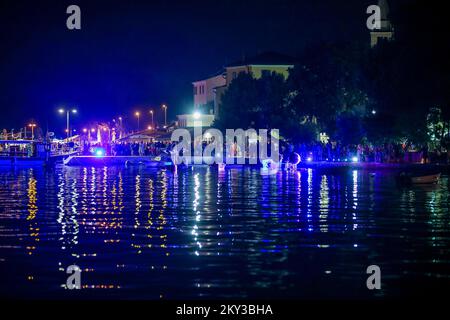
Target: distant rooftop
(265,58)
(218,73)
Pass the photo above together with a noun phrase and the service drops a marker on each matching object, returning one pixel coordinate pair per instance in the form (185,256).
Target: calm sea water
(139,233)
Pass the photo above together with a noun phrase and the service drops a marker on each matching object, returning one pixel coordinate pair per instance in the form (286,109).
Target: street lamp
(151,112)
(196,115)
(165,114)
(61,111)
(32,126)
(138,115)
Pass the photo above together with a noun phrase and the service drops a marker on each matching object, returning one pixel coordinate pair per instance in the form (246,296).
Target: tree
(328,88)
(238,104)
(253,103)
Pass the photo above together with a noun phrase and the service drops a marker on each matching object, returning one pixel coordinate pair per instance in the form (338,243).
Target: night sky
(132,55)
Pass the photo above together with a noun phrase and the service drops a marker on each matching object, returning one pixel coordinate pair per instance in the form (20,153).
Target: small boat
(428,179)
(422,178)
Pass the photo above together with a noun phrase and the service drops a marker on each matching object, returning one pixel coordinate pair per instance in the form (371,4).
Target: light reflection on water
(140,233)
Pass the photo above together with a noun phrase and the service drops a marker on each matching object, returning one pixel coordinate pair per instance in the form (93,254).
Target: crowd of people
(386,153)
(127,148)
(331,151)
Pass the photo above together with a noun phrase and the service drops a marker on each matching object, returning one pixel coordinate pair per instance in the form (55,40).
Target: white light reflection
(195,204)
(355,197)
(324,202)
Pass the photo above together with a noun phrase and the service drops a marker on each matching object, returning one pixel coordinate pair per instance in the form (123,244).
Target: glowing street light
(68,111)
(151,112)
(32,126)
(374,112)
(197,115)
(165,114)
(138,115)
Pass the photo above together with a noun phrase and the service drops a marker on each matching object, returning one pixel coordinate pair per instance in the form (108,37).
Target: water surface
(146,234)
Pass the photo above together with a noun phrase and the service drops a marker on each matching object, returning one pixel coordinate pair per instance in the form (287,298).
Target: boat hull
(429,179)
(116,161)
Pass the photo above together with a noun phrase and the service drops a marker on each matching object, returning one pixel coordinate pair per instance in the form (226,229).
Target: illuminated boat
(22,153)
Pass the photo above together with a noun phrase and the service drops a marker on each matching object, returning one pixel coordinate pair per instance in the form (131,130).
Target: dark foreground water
(145,234)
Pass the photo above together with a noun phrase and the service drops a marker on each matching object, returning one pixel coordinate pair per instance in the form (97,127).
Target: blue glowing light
(355,159)
(99,152)
(309,159)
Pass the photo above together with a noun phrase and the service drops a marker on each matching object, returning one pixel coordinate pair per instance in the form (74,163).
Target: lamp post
(120,127)
(165,114)
(61,111)
(138,115)
(32,126)
(151,112)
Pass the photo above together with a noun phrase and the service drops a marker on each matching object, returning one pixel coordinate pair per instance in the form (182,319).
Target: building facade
(194,120)
(208,92)
(257,66)
(204,94)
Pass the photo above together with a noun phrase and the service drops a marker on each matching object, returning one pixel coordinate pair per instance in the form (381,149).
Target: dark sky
(132,55)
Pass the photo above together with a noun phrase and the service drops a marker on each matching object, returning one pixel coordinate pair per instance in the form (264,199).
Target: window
(195,90)
(234,75)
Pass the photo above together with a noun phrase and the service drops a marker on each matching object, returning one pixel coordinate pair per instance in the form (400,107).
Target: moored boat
(428,179)
(419,178)
(117,161)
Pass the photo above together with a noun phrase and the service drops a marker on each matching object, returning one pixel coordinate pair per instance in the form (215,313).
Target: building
(208,92)
(204,94)
(195,120)
(264,63)
(386,31)
(257,66)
